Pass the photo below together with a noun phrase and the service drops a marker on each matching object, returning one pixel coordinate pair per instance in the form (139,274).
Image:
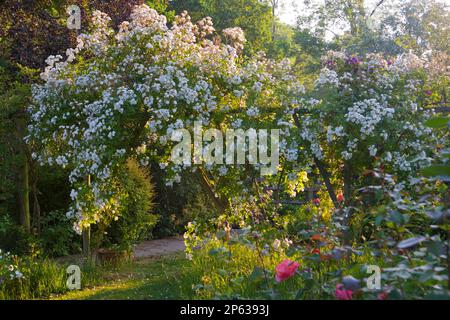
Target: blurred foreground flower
(342,294)
(286,270)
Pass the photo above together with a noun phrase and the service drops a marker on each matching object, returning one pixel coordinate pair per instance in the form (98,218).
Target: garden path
(159,247)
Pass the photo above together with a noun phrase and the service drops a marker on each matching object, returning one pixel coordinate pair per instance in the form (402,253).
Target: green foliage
(14,97)
(30,278)
(54,191)
(440,171)
(179,204)
(253,16)
(136,219)
(437,122)
(27,26)
(15,239)
(390,27)
(58,237)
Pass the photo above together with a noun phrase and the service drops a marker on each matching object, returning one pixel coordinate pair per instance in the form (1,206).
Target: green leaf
(379,220)
(397,218)
(437,122)
(223,272)
(299,294)
(257,274)
(411,242)
(445,153)
(437,295)
(436,248)
(440,171)
(427,275)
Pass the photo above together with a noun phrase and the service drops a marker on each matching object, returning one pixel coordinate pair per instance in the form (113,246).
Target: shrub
(135,220)
(58,237)
(13,238)
(179,204)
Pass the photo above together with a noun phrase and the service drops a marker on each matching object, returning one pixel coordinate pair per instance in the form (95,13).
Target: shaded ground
(146,278)
(155,273)
(158,248)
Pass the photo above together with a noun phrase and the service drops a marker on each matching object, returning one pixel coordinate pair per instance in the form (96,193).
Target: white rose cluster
(371,110)
(122,94)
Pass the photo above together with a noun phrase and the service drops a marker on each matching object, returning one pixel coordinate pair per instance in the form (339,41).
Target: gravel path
(159,247)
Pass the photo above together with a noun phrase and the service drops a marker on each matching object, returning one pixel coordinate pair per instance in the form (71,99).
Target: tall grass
(41,279)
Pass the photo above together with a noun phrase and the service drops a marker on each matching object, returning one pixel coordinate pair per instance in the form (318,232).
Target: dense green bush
(13,237)
(179,204)
(135,220)
(58,237)
(53,190)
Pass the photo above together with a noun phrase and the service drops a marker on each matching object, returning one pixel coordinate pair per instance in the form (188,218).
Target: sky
(289,13)
(290,9)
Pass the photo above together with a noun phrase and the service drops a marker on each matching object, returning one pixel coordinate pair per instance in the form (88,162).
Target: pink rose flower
(383,296)
(285,270)
(342,294)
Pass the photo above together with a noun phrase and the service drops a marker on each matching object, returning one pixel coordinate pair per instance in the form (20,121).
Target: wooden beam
(86,234)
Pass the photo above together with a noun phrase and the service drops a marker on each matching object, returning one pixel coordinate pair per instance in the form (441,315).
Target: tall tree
(381,26)
(253,16)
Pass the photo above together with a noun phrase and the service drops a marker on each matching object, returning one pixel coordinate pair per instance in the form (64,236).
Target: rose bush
(121,95)
(359,131)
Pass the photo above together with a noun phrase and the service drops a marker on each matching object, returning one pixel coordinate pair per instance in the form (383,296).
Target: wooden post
(87,234)
(87,242)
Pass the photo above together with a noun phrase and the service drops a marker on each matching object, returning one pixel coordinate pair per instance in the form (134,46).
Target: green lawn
(213,273)
(164,278)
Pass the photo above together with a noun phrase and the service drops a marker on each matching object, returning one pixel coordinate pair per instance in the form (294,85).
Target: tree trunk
(86,233)
(23,197)
(36,221)
(274,18)
(23,192)
(347,183)
(326,178)
(323,172)
(36,211)
(206,186)
(348,176)
(356,14)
